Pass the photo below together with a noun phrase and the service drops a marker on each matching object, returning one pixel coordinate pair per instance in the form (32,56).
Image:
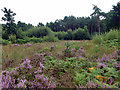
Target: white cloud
(34,11)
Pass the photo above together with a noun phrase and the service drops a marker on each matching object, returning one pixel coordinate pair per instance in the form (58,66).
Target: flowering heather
(80,86)
(14,45)
(73,50)
(41,65)
(105,58)
(116,65)
(80,57)
(21,84)
(91,84)
(52,48)
(101,65)
(116,54)
(47,54)
(13,72)
(25,76)
(81,52)
(37,58)
(27,45)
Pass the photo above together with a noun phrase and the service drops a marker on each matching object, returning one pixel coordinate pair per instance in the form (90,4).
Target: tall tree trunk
(99,24)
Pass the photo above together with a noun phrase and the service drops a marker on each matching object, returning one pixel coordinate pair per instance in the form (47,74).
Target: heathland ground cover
(62,64)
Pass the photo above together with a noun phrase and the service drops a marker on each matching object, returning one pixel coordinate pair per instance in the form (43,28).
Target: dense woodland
(69,28)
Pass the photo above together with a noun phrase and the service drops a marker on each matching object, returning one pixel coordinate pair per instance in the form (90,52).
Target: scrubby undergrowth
(73,64)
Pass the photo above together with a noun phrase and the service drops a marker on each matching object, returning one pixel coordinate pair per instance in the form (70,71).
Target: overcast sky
(35,11)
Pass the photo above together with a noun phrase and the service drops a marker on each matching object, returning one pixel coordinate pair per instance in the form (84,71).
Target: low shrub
(110,43)
(80,79)
(69,35)
(21,41)
(60,35)
(109,38)
(12,38)
(67,51)
(81,34)
(36,40)
(38,32)
(26,76)
(97,39)
(50,38)
(113,34)
(78,34)
(5,42)
(57,67)
(75,52)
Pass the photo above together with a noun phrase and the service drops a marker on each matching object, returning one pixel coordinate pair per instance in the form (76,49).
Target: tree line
(92,24)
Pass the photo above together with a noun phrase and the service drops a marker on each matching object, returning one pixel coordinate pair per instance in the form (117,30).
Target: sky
(35,11)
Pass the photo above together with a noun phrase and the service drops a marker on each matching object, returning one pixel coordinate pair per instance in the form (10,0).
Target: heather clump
(52,48)
(27,45)
(25,76)
(37,58)
(81,52)
(13,45)
(67,51)
(111,60)
(116,55)
(73,52)
(101,65)
(104,58)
